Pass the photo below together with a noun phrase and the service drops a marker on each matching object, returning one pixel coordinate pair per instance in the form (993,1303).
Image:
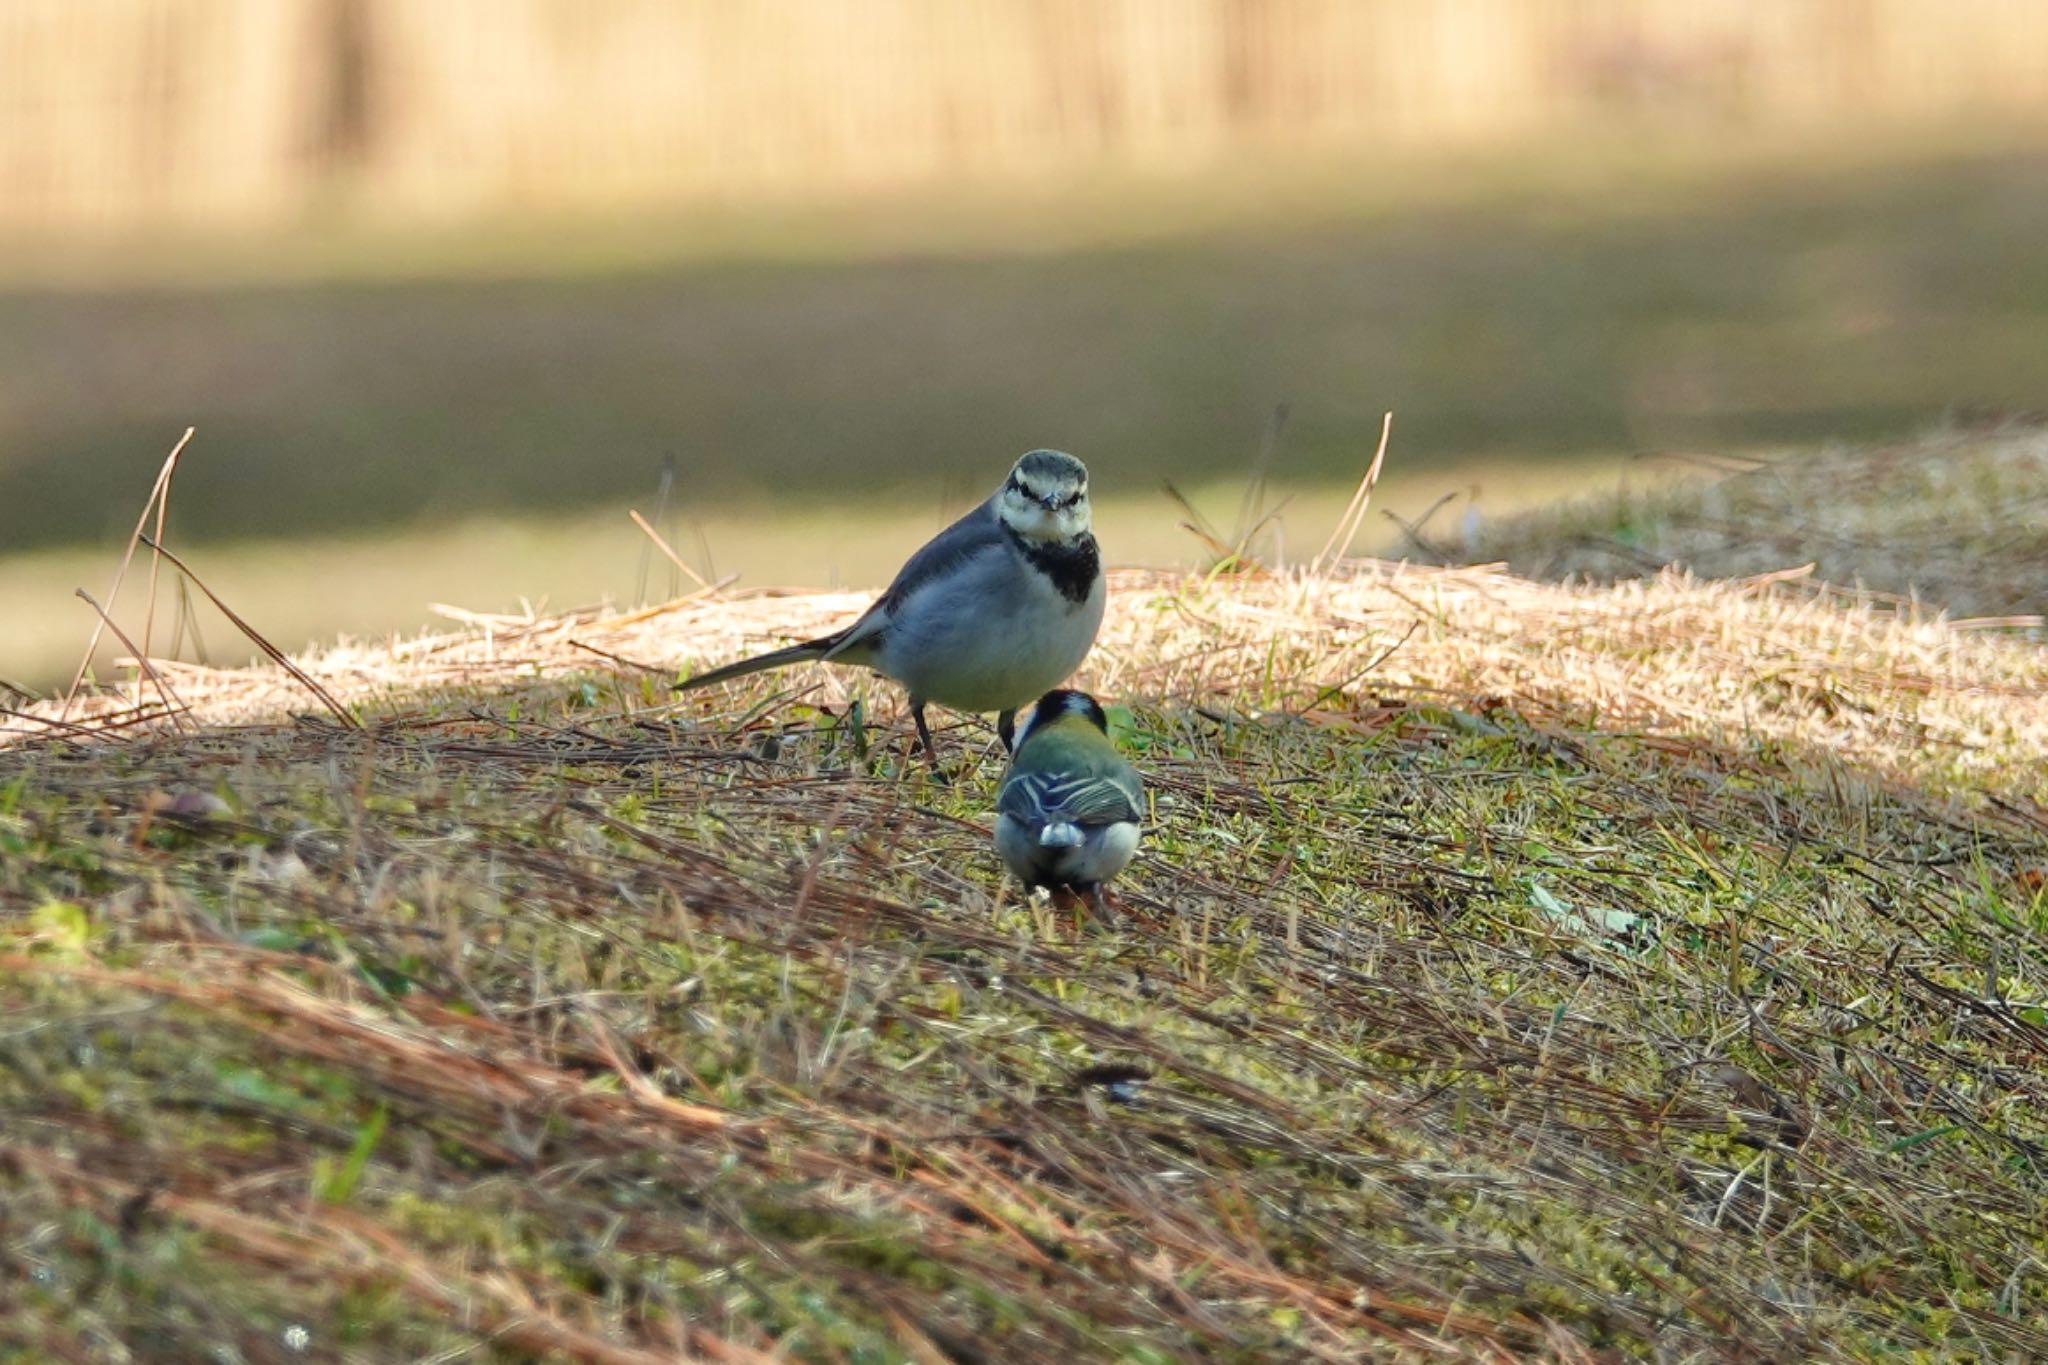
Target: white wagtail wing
(1091,798)
(974,535)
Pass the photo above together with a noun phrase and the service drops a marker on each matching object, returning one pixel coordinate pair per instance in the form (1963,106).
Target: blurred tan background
(259,112)
(446,287)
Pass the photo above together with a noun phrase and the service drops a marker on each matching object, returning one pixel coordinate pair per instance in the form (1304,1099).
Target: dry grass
(1775,657)
(1957,519)
(381,587)
(1654,970)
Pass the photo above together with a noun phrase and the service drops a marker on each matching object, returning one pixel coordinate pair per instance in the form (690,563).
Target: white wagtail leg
(1006,730)
(924,731)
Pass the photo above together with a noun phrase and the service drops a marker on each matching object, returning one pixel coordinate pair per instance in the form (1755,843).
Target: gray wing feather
(974,534)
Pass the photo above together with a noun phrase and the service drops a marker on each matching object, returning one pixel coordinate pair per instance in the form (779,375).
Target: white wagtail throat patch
(1072,565)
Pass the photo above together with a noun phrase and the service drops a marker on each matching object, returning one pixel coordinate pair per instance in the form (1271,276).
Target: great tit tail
(1061,834)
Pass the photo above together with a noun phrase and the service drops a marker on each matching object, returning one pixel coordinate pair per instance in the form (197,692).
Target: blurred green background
(444,296)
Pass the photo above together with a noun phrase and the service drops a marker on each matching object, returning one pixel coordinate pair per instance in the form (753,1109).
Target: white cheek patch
(1027,516)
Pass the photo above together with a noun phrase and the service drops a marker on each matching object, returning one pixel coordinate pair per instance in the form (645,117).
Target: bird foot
(1092,904)
(936,770)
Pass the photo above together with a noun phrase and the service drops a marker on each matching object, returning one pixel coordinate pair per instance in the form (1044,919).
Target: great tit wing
(1108,797)
(1022,797)
(1084,798)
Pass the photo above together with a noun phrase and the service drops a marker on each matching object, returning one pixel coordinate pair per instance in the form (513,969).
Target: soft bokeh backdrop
(445,289)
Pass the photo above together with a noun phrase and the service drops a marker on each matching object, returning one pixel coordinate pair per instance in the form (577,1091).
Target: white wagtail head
(1046,498)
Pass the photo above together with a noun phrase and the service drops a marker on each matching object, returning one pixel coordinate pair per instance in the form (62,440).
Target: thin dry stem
(173,707)
(272,652)
(156,493)
(666,548)
(1339,544)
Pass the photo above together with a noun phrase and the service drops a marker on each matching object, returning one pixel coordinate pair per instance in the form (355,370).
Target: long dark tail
(761,663)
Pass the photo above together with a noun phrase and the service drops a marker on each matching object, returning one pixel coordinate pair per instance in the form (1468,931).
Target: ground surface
(1511,971)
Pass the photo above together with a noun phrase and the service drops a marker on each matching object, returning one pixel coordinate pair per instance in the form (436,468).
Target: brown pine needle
(173,706)
(270,651)
(163,511)
(156,492)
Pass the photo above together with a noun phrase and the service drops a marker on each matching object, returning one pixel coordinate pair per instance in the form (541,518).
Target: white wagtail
(996,608)
(1067,815)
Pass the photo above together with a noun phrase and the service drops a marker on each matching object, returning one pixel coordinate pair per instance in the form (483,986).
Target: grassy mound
(1958,518)
(1511,971)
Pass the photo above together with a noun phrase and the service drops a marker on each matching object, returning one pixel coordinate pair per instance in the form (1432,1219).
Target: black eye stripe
(1050,500)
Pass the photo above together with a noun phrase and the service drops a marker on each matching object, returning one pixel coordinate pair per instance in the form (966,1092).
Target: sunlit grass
(1954,521)
(392,419)
(307,590)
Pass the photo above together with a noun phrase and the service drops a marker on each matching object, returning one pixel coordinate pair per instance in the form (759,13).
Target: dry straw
(1772,657)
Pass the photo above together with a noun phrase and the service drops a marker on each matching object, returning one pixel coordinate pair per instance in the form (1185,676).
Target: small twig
(1337,687)
(665,548)
(1196,524)
(620,659)
(188,623)
(1712,461)
(271,651)
(668,478)
(163,479)
(1250,512)
(67,727)
(1647,563)
(1413,531)
(1998,622)
(704,548)
(173,704)
(1338,546)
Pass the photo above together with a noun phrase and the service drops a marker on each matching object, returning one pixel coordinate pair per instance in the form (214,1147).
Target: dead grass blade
(173,707)
(163,510)
(270,651)
(666,548)
(156,494)
(1338,546)
(331,1242)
